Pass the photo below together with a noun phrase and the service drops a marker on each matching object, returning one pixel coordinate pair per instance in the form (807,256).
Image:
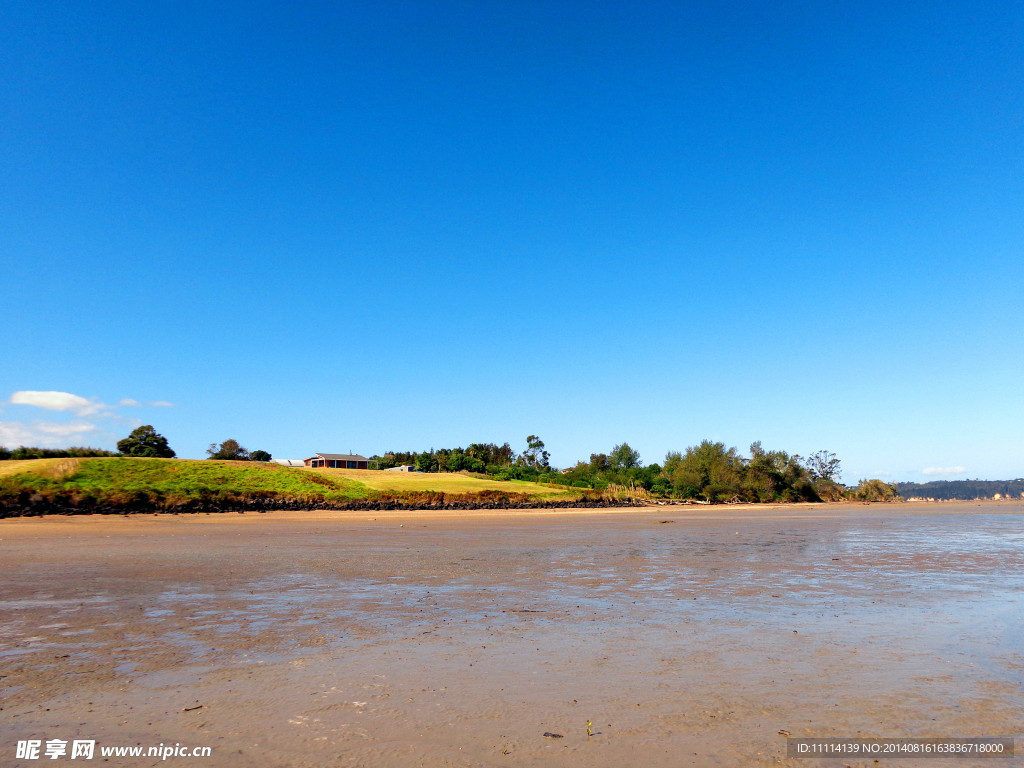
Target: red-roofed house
(337,461)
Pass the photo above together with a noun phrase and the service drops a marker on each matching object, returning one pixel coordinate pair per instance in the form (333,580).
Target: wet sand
(687,636)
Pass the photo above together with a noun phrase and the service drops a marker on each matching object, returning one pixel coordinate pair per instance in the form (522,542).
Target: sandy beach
(683,635)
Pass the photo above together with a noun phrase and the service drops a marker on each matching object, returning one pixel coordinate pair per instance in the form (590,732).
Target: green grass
(170,481)
(36,486)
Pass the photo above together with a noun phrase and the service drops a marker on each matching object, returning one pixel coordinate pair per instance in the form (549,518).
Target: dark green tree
(776,476)
(457,461)
(503,456)
(229,449)
(624,457)
(145,441)
(491,454)
(708,470)
(441,456)
(426,461)
(260,456)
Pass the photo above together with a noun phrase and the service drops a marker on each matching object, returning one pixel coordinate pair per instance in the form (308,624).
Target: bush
(875,490)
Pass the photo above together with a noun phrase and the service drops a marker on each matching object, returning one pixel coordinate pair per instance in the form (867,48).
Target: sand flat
(685,635)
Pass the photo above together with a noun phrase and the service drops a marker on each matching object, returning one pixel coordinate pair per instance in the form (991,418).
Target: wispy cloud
(58,401)
(943,471)
(44,434)
(129,402)
(73,426)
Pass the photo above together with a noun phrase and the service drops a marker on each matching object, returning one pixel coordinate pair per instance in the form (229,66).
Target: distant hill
(962,489)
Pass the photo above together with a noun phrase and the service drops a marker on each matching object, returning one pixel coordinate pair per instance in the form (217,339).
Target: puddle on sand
(937,583)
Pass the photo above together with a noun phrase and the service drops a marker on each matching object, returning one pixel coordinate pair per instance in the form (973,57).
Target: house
(402,468)
(337,461)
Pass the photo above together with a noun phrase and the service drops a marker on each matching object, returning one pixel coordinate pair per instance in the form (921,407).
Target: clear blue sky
(403,225)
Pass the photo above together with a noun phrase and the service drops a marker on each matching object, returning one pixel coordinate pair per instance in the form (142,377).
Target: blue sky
(372,226)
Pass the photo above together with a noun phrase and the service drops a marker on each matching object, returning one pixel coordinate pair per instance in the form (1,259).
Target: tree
(426,461)
(260,456)
(489,453)
(825,470)
(824,465)
(229,449)
(672,461)
(624,457)
(535,456)
(710,470)
(503,456)
(145,441)
(456,461)
(776,476)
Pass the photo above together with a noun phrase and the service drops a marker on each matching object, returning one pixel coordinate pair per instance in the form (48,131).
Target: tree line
(29,452)
(964,490)
(482,458)
(713,473)
(708,472)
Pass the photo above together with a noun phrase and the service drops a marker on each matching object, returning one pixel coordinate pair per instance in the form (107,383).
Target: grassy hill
(120,484)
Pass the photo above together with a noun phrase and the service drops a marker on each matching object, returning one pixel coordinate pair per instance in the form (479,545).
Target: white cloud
(71,424)
(43,434)
(80,406)
(943,471)
(58,401)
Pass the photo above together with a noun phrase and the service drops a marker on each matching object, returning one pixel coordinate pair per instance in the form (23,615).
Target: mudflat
(683,636)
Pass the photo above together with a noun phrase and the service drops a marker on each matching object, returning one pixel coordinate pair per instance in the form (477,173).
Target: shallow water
(461,642)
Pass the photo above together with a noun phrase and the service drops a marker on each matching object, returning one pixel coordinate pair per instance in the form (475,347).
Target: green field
(82,485)
(442,482)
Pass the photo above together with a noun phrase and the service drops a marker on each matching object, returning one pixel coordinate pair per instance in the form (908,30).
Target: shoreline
(670,513)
